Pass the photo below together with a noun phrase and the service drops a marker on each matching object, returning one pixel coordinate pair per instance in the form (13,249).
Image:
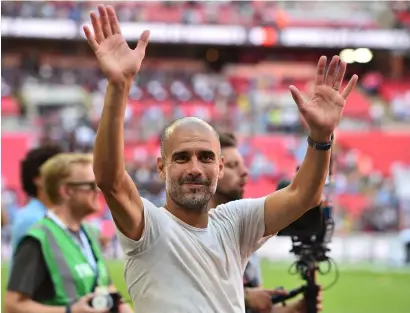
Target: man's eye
(207,158)
(181,159)
(232,165)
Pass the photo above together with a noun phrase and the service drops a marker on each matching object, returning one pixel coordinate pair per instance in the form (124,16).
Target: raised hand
(117,61)
(324,111)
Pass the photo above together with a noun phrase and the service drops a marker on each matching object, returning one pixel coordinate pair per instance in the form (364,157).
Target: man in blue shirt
(36,207)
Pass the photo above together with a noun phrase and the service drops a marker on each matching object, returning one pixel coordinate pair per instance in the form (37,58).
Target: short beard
(197,205)
(192,202)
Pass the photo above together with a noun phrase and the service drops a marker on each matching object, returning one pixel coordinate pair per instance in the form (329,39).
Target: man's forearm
(29,306)
(293,307)
(311,177)
(109,143)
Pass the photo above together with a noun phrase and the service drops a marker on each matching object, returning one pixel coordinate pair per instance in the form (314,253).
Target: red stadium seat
(391,89)
(9,107)
(13,149)
(384,148)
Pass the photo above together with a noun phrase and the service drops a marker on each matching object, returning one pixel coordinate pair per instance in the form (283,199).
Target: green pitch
(357,291)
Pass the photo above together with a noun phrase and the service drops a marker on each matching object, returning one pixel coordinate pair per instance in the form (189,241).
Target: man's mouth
(192,184)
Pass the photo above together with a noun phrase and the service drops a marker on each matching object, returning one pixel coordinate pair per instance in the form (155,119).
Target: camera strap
(97,269)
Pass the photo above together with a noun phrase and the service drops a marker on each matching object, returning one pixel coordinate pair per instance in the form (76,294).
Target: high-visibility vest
(70,272)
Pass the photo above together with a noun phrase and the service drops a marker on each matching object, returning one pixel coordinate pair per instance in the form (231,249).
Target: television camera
(310,236)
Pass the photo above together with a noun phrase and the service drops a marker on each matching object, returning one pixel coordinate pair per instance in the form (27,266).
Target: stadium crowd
(160,96)
(247,13)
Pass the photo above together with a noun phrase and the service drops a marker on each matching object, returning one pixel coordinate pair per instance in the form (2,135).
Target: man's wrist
(319,137)
(122,85)
(294,307)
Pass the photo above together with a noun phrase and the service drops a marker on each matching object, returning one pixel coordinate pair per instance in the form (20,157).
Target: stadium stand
(280,13)
(53,91)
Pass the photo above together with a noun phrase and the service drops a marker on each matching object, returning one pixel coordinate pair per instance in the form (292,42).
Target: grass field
(357,291)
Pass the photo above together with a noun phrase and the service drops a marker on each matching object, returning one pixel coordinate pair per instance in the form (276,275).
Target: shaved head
(185,123)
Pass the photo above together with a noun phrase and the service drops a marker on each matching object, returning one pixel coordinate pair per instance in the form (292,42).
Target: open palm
(325,109)
(117,61)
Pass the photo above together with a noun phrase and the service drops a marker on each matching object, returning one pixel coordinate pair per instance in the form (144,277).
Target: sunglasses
(84,185)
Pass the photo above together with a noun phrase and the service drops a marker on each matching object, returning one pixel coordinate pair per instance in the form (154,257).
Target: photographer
(230,188)
(58,265)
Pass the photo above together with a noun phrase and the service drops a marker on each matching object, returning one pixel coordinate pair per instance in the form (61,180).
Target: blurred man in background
(58,263)
(230,188)
(38,203)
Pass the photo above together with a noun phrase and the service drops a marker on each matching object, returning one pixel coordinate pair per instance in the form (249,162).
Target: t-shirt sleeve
(248,223)
(155,224)
(29,269)
(20,227)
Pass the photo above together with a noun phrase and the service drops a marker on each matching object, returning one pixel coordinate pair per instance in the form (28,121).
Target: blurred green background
(364,289)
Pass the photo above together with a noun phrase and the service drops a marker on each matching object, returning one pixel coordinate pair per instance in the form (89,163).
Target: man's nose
(196,167)
(244,171)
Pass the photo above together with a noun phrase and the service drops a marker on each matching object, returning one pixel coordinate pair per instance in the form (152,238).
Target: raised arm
(322,113)
(119,64)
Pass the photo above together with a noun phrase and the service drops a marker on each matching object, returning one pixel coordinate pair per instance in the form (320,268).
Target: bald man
(183,257)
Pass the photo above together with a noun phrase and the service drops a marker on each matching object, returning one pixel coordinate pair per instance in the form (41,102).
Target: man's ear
(65,192)
(221,167)
(161,167)
(38,182)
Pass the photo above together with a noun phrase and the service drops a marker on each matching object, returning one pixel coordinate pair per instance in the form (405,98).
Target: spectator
(38,203)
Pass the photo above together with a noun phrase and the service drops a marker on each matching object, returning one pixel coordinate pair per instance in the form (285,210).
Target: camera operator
(230,188)
(58,265)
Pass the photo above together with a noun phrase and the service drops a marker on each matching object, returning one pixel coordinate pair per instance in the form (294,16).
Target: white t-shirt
(177,268)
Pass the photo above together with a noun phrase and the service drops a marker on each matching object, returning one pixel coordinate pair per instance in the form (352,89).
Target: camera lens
(101,302)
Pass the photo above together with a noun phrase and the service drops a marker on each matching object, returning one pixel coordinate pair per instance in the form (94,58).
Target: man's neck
(44,200)
(218,199)
(198,219)
(72,222)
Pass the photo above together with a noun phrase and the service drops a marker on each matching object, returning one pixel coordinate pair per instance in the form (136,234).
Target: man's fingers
(320,71)
(112,16)
(274,292)
(297,97)
(331,72)
(340,75)
(266,309)
(98,33)
(142,43)
(105,23)
(90,38)
(350,86)
(88,297)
